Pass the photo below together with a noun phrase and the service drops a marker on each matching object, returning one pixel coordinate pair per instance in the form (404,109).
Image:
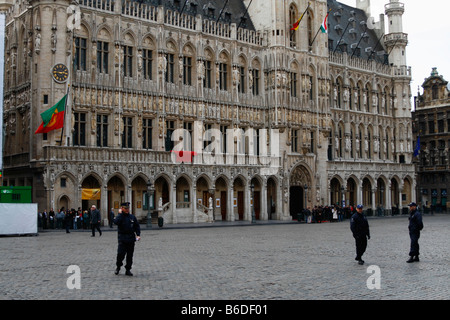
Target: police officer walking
(360,229)
(129,231)
(415,226)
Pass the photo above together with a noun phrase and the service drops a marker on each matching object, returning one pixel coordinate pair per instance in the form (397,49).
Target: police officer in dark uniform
(360,229)
(129,232)
(415,226)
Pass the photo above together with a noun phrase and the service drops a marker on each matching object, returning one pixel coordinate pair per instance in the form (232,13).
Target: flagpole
(221,11)
(371,53)
(65,111)
(181,12)
(243,16)
(319,29)
(337,44)
(314,38)
(301,18)
(362,35)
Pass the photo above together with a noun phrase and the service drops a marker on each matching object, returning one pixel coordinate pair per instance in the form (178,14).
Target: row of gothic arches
(378,193)
(231,199)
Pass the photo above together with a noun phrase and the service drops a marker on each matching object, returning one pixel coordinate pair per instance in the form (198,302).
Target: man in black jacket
(129,231)
(361,232)
(415,226)
(95,220)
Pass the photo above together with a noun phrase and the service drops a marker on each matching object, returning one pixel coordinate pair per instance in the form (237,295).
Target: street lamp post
(150,193)
(252,189)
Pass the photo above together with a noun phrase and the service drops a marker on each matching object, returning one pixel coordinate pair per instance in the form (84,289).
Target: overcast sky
(428,29)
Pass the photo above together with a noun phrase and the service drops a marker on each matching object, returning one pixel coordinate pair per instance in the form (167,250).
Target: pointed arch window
(293,17)
(310,28)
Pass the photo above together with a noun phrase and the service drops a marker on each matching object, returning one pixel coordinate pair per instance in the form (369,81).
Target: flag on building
(53,118)
(324,26)
(297,23)
(417,148)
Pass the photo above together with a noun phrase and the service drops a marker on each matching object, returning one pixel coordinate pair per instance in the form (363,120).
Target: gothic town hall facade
(209,110)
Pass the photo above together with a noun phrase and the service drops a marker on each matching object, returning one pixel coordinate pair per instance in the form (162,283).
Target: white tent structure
(18,219)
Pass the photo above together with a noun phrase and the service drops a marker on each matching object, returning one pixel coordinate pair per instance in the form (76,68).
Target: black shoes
(413,259)
(127,273)
(360,261)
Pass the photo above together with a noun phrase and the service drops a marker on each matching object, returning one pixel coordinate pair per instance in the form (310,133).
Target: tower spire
(396,40)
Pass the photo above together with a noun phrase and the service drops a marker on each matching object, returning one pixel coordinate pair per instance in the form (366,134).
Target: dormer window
(435,92)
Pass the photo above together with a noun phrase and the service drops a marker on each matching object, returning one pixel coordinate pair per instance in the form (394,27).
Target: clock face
(60,72)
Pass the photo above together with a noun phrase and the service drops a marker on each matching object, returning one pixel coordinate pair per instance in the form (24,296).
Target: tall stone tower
(396,41)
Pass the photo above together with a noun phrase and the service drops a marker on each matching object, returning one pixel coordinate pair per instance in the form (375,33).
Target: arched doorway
(300,184)
(407,192)
(296,201)
(271,198)
(395,197)
(222,194)
(203,192)
(116,193)
(161,191)
(351,192)
(335,192)
(367,193)
(239,198)
(256,198)
(138,192)
(183,196)
(381,194)
(394,193)
(90,193)
(64,202)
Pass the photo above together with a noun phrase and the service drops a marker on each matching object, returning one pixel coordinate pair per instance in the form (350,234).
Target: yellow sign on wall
(90,194)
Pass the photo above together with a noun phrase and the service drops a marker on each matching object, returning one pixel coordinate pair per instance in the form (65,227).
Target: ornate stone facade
(268,114)
(431,120)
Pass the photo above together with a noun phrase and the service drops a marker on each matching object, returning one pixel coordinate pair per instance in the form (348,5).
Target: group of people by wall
(64,219)
(319,214)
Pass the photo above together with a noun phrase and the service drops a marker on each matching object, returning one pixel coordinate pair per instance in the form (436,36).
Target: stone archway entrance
(299,187)
(90,193)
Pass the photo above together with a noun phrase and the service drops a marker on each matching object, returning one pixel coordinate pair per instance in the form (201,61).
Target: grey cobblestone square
(279,261)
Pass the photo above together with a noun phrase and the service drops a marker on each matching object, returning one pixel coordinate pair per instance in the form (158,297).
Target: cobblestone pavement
(281,261)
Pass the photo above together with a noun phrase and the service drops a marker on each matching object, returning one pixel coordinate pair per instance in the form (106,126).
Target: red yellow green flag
(296,24)
(53,118)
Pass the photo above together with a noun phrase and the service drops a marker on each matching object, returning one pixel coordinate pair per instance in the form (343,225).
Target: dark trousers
(361,245)
(96,226)
(414,236)
(125,248)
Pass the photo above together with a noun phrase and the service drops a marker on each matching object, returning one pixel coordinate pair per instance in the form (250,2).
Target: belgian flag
(53,118)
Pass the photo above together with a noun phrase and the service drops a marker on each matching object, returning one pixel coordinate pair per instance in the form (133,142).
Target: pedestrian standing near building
(75,222)
(60,218)
(111,218)
(415,226)
(129,232)
(85,219)
(360,229)
(44,219)
(51,217)
(95,220)
(68,220)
